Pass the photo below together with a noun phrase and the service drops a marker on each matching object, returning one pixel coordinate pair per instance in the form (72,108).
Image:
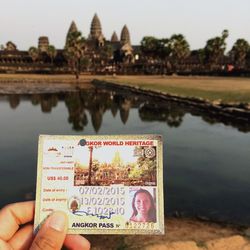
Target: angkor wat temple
(104,56)
(101,53)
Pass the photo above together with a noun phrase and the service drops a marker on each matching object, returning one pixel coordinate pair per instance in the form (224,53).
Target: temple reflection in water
(96,102)
(195,144)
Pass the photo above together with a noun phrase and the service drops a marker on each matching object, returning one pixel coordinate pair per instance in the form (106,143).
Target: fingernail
(57,221)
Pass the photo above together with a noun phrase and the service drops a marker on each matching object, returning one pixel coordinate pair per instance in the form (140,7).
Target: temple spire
(96,28)
(72,28)
(125,36)
(114,37)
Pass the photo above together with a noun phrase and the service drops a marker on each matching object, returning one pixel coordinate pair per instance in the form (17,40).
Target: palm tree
(163,48)
(74,51)
(155,49)
(239,52)
(180,48)
(175,48)
(149,45)
(34,53)
(52,53)
(163,51)
(215,48)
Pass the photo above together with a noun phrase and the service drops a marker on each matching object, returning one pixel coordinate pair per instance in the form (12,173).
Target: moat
(206,159)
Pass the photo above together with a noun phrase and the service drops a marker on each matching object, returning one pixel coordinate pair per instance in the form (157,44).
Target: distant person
(16,230)
(143,207)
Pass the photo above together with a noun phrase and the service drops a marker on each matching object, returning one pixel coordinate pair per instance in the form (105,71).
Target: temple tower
(114,37)
(43,43)
(96,28)
(72,28)
(125,36)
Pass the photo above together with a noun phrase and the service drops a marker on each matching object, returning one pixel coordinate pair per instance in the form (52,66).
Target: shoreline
(180,234)
(229,111)
(235,114)
(219,89)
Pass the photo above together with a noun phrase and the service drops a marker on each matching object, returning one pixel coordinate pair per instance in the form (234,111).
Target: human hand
(16,230)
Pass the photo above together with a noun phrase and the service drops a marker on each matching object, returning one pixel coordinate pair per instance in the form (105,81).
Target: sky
(23,21)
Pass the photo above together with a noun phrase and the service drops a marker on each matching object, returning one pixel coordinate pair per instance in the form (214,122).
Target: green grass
(226,96)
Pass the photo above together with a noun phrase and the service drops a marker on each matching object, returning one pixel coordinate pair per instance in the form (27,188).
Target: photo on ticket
(123,164)
(105,184)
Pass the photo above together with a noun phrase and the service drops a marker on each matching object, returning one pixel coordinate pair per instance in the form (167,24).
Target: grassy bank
(226,89)
(233,90)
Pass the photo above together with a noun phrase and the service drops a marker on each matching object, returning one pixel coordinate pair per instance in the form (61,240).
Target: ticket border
(160,187)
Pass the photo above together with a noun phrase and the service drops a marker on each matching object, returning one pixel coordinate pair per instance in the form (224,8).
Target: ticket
(105,184)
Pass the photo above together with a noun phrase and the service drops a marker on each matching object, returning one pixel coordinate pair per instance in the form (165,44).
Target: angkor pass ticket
(105,184)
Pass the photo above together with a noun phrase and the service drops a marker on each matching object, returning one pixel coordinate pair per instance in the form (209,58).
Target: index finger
(14,215)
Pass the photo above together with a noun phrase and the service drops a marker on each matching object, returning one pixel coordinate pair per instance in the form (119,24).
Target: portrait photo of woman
(143,206)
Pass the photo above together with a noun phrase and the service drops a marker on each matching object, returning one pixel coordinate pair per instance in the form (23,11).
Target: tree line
(176,49)
(167,52)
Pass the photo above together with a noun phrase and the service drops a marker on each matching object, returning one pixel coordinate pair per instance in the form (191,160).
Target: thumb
(52,234)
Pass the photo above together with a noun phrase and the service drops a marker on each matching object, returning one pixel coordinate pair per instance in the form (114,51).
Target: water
(206,159)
